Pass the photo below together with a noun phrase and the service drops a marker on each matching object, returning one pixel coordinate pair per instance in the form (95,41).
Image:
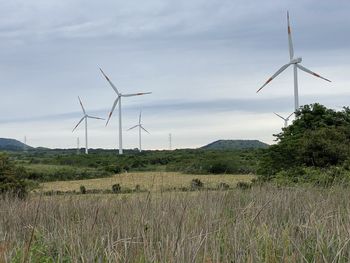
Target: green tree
(318,137)
(11,178)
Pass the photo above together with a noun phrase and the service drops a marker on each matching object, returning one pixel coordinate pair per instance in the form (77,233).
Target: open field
(262,224)
(152,181)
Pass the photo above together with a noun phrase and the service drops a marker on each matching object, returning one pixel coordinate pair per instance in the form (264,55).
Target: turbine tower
(140,128)
(78,146)
(296,65)
(85,117)
(119,99)
(25,144)
(170,142)
(285,119)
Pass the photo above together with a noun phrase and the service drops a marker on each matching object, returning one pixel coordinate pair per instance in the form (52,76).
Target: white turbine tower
(296,64)
(119,99)
(285,119)
(140,128)
(85,117)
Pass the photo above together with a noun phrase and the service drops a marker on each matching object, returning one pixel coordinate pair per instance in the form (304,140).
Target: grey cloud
(279,104)
(212,53)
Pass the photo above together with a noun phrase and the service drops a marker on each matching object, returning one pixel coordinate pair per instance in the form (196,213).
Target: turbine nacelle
(296,60)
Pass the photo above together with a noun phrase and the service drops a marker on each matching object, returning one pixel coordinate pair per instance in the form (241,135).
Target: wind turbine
(119,99)
(296,65)
(85,117)
(285,119)
(140,128)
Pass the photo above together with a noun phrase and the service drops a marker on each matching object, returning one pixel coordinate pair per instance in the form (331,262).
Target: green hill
(12,145)
(235,144)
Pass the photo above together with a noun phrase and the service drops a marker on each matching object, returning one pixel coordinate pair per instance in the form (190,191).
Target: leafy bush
(324,177)
(222,167)
(116,169)
(196,184)
(82,189)
(116,188)
(12,178)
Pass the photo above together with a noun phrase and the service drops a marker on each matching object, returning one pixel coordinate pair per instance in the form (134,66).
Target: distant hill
(235,144)
(12,145)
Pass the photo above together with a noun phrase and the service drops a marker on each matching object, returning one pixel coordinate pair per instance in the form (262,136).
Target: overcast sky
(202,59)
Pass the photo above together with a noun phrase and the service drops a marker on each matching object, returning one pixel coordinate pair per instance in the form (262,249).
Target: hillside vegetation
(12,145)
(235,144)
(57,165)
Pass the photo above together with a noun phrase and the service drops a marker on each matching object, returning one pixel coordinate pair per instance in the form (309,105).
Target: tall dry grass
(258,225)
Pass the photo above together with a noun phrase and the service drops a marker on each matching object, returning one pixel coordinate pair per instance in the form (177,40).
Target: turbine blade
(279,116)
(135,94)
(290,42)
(81,104)
(78,123)
(275,75)
(140,117)
(290,115)
(132,127)
(110,82)
(111,112)
(311,72)
(144,129)
(93,117)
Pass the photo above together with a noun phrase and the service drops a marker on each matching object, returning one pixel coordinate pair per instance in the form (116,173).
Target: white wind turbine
(285,119)
(140,128)
(85,117)
(296,64)
(119,99)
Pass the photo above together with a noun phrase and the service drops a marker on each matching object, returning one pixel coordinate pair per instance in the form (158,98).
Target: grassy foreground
(262,224)
(151,181)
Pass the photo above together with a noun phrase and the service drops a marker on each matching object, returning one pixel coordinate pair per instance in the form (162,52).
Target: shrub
(12,178)
(244,185)
(113,169)
(82,189)
(116,188)
(222,167)
(223,186)
(196,184)
(323,177)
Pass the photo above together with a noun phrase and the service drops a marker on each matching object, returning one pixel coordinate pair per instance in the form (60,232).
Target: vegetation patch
(13,179)
(314,149)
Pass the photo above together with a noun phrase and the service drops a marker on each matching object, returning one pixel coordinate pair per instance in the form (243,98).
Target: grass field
(152,181)
(261,224)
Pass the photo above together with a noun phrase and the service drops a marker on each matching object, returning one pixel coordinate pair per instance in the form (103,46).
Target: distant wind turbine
(119,99)
(296,64)
(140,126)
(285,119)
(85,117)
